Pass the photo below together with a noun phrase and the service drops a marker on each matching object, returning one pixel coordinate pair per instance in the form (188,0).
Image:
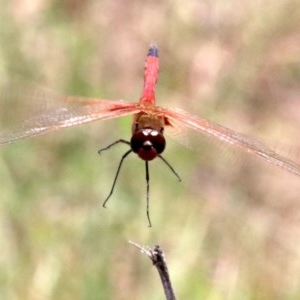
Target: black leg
(147,197)
(118,171)
(113,144)
(170,167)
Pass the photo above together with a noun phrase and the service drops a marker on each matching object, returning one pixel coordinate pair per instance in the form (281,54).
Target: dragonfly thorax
(148,143)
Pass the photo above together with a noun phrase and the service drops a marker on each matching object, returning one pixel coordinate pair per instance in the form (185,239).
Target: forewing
(229,136)
(42,111)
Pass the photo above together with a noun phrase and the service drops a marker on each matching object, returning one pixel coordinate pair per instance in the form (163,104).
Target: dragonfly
(149,121)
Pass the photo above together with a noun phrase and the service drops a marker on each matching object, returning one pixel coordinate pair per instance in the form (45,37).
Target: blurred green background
(230,230)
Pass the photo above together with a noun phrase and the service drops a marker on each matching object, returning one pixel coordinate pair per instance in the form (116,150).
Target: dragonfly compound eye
(147,143)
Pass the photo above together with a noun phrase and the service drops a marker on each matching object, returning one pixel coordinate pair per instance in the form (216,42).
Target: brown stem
(158,259)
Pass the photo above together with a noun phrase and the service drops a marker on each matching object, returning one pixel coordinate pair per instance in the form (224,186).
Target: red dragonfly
(149,121)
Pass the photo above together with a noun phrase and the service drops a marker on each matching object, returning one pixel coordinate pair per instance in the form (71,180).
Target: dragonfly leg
(117,174)
(170,167)
(147,197)
(113,144)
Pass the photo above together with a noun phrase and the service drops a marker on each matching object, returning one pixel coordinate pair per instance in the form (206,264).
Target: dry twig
(158,259)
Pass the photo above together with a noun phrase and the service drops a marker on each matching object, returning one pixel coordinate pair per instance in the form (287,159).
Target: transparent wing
(28,113)
(229,136)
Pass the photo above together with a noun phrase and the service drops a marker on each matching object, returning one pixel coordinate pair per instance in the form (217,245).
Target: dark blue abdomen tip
(153,51)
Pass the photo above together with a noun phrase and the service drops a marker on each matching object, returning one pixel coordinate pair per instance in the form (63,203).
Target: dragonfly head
(147,143)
